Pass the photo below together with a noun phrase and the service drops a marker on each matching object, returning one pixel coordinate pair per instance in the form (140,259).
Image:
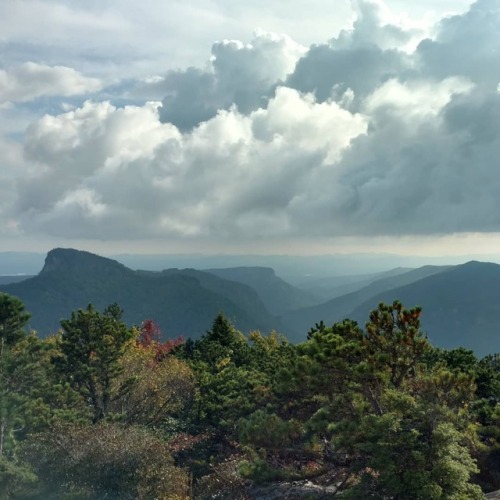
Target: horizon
(289,267)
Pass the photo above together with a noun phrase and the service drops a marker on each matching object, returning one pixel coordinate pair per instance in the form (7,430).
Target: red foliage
(151,336)
(150,332)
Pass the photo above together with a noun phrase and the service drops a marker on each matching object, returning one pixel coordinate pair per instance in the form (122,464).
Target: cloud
(366,135)
(239,74)
(362,58)
(32,80)
(376,25)
(104,170)
(466,45)
(409,174)
(126,39)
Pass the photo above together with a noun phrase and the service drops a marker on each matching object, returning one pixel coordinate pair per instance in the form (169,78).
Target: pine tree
(90,348)
(13,403)
(13,319)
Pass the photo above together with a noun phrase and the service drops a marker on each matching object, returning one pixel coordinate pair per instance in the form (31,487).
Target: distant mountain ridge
(460,303)
(330,287)
(16,278)
(278,295)
(461,306)
(339,308)
(182,302)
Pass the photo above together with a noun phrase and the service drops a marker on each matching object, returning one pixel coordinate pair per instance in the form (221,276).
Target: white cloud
(113,169)
(32,80)
(126,39)
(416,99)
(376,24)
(365,135)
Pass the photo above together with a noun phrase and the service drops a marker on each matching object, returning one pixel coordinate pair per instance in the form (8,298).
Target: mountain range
(278,295)
(460,306)
(182,302)
(341,307)
(460,303)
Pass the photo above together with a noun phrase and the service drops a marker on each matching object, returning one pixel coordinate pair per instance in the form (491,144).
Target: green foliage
(30,397)
(90,349)
(487,411)
(16,480)
(221,345)
(234,377)
(13,319)
(155,392)
(488,378)
(269,431)
(95,412)
(400,428)
(216,360)
(409,452)
(261,471)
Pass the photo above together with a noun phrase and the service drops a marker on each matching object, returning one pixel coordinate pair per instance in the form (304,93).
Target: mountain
(276,294)
(335,286)
(461,306)
(460,303)
(300,321)
(295,269)
(181,302)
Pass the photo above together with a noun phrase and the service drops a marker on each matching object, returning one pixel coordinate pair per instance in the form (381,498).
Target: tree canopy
(103,410)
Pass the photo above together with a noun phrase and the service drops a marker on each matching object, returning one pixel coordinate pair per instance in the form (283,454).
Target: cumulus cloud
(466,45)
(32,80)
(105,170)
(239,74)
(364,135)
(376,25)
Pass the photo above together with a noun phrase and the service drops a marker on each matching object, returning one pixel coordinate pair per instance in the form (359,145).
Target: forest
(103,410)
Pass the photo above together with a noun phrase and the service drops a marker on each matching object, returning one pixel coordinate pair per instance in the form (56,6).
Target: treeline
(100,410)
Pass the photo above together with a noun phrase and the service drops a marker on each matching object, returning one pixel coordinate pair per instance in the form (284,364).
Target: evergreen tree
(90,349)
(13,319)
(14,407)
(398,428)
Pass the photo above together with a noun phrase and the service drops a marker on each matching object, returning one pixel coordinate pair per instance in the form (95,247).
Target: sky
(250,127)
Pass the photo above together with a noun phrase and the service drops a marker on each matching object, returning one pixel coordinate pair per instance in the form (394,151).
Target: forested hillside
(101,410)
(341,306)
(460,302)
(7,279)
(278,295)
(182,302)
(461,306)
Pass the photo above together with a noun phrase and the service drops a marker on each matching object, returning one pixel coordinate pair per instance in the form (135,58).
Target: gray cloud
(329,72)
(467,45)
(360,136)
(239,74)
(422,175)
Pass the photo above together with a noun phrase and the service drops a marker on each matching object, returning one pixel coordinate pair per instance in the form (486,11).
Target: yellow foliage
(155,389)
